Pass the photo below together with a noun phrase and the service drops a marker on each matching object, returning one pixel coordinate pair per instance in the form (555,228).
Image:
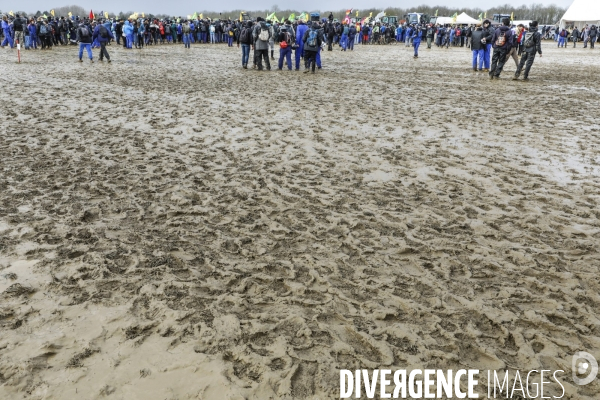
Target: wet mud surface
(172,226)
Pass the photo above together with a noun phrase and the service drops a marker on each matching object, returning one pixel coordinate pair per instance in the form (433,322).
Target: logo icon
(584,364)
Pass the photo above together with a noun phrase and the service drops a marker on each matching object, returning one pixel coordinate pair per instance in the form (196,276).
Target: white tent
(465,19)
(462,19)
(444,20)
(582,12)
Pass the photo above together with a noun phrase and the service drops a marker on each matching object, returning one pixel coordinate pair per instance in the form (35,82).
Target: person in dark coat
(102,35)
(533,45)
(477,48)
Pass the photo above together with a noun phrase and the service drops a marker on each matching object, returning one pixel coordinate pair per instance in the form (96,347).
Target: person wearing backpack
(562,36)
(230,35)
(286,39)
(365,34)
(502,43)
(245,39)
(102,35)
(45,33)
(261,36)
(312,39)
(84,38)
(167,32)
(532,44)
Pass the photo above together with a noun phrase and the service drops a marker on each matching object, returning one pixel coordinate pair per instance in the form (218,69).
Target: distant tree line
(545,14)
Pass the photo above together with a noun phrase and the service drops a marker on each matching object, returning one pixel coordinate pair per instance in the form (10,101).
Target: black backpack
(84,33)
(529,39)
(103,32)
(245,37)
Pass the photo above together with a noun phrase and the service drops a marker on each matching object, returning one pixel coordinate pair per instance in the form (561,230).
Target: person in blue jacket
(7,35)
(399,34)
(128,31)
(95,43)
(141,34)
(408,35)
(108,25)
(33,39)
(102,35)
(344,39)
(417,36)
(299,43)
(351,37)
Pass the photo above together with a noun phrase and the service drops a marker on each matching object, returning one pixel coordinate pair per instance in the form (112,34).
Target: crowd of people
(587,34)
(491,46)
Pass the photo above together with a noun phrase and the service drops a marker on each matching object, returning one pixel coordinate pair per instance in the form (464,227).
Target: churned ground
(175,227)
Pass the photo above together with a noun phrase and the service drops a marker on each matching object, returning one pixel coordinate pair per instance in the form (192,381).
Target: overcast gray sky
(180,7)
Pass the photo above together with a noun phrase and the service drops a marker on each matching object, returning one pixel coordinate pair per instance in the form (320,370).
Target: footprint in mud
(303,380)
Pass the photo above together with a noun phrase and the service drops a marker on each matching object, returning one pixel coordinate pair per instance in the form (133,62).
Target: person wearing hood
(502,43)
(141,33)
(128,32)
(300,31)
(103,36)
(312,39)
(488,33)
(533,45)
(477,48)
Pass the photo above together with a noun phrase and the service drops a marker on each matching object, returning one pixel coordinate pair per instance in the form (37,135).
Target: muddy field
(175,227)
